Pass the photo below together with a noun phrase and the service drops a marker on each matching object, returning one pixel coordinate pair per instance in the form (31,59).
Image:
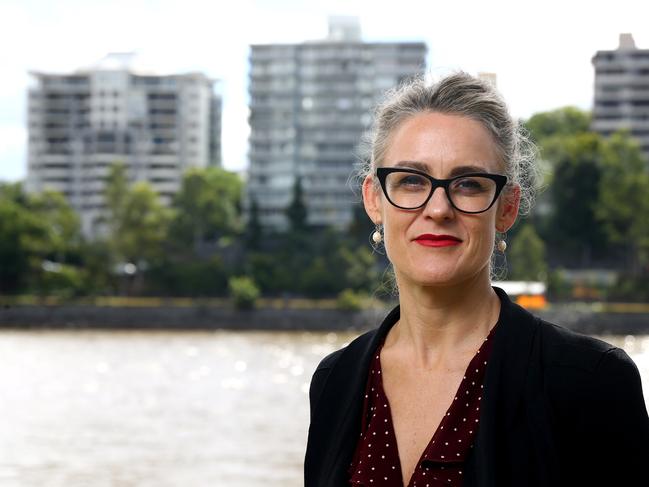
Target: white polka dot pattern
(376,460)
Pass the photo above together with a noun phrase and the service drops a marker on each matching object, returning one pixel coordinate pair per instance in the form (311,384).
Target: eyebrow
(456,171)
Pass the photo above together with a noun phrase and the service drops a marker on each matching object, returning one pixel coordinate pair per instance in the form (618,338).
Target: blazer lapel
(505,384)
(338,415)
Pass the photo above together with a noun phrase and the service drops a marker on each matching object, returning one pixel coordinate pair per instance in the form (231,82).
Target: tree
(21,239)
(570,164)
(624,199)
(142,226)
(207,207)
(33,229)
(297,211)
(361,227)
(527,256)
(63,225)
(360,267)
(137,222)
(254,230)
(115,194)
(560,122)
(575,231)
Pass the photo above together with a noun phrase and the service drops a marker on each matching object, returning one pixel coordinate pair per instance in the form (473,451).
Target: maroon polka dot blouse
(376,459)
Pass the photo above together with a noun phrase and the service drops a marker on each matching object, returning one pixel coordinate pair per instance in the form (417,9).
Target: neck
(439,326)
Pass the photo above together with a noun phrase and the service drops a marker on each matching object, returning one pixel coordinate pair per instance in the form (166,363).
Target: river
(157,409)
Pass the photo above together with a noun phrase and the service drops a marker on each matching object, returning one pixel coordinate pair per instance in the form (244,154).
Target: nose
(438,206)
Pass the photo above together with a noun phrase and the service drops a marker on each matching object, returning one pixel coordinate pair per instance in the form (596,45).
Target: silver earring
(502,245)
(377,238)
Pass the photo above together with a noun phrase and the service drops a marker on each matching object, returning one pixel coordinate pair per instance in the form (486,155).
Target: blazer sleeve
(319,379)
(614,425)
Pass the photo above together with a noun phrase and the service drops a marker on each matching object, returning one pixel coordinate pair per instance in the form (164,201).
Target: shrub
(350,300)
(244,292)
(61,280)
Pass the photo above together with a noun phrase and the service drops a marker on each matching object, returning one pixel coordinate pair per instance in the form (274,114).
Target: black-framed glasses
(410,189)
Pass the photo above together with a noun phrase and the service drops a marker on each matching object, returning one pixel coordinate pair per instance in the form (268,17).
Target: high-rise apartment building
(622,91)
(81,123)
(310,103)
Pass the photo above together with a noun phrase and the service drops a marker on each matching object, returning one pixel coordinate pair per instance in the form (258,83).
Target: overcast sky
(540,51)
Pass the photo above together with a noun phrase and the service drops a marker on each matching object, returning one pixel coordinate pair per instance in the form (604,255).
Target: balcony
(622,80)
(613,125)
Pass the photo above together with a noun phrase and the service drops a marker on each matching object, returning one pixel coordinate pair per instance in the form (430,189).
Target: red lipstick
(431,240)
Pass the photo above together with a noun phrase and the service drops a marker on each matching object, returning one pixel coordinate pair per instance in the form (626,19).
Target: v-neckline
(431,441)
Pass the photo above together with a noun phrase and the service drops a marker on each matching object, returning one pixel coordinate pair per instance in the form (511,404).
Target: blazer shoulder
(329,361)
(597,407)
(568,349)
(588,379)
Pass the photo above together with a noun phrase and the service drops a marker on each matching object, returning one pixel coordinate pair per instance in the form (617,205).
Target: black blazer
(559,409)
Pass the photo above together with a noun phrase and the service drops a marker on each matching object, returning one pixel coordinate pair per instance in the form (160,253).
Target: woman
(459,386)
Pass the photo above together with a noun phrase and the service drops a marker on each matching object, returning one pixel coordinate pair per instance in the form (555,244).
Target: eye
(472,185)
(410,181)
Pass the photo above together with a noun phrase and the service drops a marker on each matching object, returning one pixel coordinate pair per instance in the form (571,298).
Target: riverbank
(589,319)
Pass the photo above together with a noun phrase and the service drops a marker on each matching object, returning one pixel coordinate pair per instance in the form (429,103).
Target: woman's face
(443,146)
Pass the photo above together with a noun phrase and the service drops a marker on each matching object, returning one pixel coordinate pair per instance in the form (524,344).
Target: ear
(508,209)
(372,199)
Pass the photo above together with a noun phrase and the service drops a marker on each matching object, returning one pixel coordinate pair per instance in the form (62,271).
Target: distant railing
(530,300)
(179,302)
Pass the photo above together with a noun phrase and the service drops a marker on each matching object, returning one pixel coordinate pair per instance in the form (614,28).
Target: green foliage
(115,192)
(143,228)
(32,229)
(574,194)
(559,287)
(97,262)
(297,211)
(319,264)
(268,271)
(22,237)
(61,280)
(244,292)
(136,219)
(207,207)
(595,210)
(350,300)
(63,225)
(359,267)
(598,198)
(189,277)
(564,121)
(527,256)
(624,198)
(631,287)
(318,280)
(333,264)
(361,227)
(254,233)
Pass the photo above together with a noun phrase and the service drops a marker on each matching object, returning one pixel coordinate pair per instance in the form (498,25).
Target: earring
(502,245)
(377,238)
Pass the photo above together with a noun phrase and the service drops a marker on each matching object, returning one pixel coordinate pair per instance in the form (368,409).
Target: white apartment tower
(622,91)
(310,104)
(81,123)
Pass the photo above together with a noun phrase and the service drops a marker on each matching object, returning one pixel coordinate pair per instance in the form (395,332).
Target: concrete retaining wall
(192,318)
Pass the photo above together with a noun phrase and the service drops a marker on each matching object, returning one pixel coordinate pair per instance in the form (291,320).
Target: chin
(438,276)
(433,278)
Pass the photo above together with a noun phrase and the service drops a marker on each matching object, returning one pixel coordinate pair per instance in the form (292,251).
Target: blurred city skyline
(541,54)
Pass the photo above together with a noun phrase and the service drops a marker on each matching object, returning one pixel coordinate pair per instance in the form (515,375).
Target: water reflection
(164,409)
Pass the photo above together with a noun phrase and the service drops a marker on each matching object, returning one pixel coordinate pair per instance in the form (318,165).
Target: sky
(540,51)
